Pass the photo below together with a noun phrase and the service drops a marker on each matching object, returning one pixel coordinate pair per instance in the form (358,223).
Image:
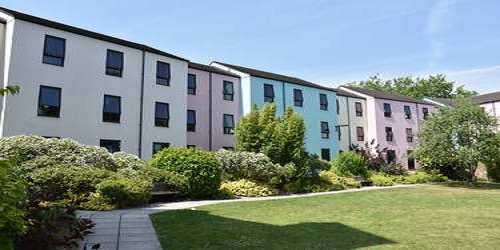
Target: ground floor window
(158,146)
(411,160)
(325,154)
(391,156)
(111,145)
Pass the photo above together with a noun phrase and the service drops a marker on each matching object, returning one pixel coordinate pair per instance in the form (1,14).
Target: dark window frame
(162,146)
(323,102)
(113,70)
(46,110)
(411,160)
(339,132)
(160,78)
(325,130)
(228,128)
(191,85)
(229,148)
(409,135)
(407,111)
(387,110)
(358,106)
(268,93)
(162,121)
(112,117)
(425,111)
(326,154)
(191,127)
(112,142)
(228,95)
(389,134)
(391,156)
(298,98)
(360,133)
(50,56)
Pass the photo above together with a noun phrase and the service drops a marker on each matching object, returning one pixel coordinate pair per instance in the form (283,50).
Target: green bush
(247,188)
(418,177)
(393,169)
(338,182)
(315,163)
(12,198)
(97,202)
(350,164)
(493,168)
(201,168)
(124,160)
(125,192)
(167,180)
(382,180)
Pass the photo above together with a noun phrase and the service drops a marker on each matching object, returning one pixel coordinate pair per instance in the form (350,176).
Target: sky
(329,42)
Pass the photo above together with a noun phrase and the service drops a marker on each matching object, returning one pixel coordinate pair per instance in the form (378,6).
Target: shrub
(338,182)
(159,177)
(123,160)
(125,192)
(315,163)
(418,177)
(393,169)
(493,168)
(12,197)
(381,180)
(201,168)
(97,202)
(372,153)
(350,164)
(247,188)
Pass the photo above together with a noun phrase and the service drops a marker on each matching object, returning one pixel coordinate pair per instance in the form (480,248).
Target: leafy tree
(433,86)
(12,90)
(463,135)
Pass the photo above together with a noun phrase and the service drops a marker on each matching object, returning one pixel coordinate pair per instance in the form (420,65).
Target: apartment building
(393,120)
(351,120)
(490,102)
(213,107)
(94,88)
(316,103)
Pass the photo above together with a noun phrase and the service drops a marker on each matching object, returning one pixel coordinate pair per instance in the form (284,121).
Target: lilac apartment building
(213,107)
(393,121)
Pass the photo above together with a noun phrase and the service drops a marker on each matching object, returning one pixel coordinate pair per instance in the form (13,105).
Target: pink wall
(221,107)
(200,103)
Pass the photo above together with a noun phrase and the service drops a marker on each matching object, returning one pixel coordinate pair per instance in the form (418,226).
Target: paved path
(126,229)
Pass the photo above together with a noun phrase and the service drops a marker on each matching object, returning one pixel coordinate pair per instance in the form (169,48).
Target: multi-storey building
(316,103)
(351,120)
(490,102)
(97,89)
(393,120)
(213,107)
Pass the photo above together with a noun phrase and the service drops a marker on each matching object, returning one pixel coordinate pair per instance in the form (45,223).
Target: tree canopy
(433,86)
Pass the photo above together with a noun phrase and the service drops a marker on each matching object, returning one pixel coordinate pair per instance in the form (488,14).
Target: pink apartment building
(393,120)
(213,107)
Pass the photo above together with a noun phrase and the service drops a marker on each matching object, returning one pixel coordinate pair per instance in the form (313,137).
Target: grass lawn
(423,217)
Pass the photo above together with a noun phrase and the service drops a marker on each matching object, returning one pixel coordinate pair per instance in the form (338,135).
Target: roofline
(416,101)
(221,72)
(87,33)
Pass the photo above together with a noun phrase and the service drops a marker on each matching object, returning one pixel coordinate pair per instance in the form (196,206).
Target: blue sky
(330,42)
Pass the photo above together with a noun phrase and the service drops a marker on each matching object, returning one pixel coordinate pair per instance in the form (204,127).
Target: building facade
(316,104)
(491,104)
(213,101)
(351,119)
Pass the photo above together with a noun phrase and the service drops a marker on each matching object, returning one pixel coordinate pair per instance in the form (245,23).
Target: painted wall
(348,121)
(201,104)
(492,108)
(221,107)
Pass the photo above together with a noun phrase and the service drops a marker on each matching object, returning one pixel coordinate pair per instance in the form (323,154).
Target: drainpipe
(141,104)
(210,120)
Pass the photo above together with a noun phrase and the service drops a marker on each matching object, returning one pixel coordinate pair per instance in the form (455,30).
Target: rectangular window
(49,101)
(323,102)
(162,114)
(425,111)
(298,99)
(409,135)
(268,93)
(158,146)
(111,145)
(228,122)
(411,160)
(191,146)
(391,156)
(360,133)
(162,73)
(228,148)
(325,154)
(359,109)
(191,120)
(388,134)
(114,63)
(407,112)
(338,106)
(53,50)
(191,84)
(111,109)
(228,90)
(387,110)
(325,131)
(339,132)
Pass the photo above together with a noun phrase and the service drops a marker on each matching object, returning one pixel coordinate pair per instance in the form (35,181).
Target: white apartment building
(96,89)
(351,120)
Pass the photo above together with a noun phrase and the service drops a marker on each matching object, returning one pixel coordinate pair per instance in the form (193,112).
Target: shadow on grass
(477,185)
(191,229)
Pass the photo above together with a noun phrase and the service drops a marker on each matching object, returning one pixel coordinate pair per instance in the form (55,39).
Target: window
(54,50)
(228,124)
(162,114)
(111,145)
(387,110)
(411,160)
(114,63)
(191,146)
(112,109)
(191,120)
(339,133)
(228,148)
(407,112)
(388,134)
(391,156)
(191,84)
(323,102)
(359,109)
(360,133)
(338,106)
(426,113)
(49,101)
(325,154)
(158,146)
(409,135)
(162,73)
(325,131)
(298,99)
(268,93)
(228,91)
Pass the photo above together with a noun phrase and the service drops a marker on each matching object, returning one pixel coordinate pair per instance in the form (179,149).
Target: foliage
(316,164)
(10,90)
(393,169)
(253,166)
(247,188)
(493,164)
(350,164)
(161,178)
(433,86)
(12,198)
(382,180)
(98,202)
(463,135)
(339,182)
(125,192)
(124,160)
(202,169)
(372,153)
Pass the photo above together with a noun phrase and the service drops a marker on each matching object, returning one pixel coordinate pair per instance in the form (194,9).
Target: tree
(12,90)
(463,135)
(433,86)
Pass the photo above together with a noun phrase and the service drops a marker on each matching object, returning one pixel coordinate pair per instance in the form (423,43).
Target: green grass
(422,217)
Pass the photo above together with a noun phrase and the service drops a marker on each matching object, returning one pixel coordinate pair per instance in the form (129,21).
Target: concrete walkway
(126,229)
